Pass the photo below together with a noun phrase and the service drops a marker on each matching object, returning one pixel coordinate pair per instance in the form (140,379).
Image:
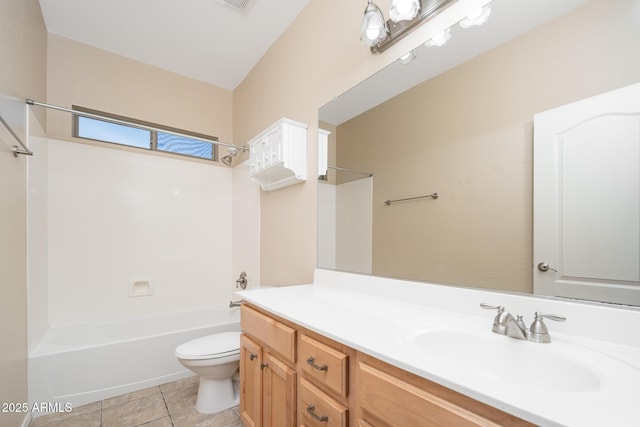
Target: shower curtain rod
(136,125)
(16,150)
(369,174)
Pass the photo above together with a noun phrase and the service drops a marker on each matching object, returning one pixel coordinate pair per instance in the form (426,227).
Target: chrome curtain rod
(16,150)
(136,125)
(433,196)
(369,174)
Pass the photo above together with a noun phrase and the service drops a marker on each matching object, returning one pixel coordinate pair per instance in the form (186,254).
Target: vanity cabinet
(291,375)
(267,371)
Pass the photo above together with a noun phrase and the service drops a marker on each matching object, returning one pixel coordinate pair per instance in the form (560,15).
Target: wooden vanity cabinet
(292,376)
(267,371)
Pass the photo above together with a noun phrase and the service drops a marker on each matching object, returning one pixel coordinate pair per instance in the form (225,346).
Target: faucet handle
(499,321)
(538,331)
(492,307)
(556,317)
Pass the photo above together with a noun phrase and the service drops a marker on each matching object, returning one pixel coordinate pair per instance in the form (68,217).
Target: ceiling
(205,40)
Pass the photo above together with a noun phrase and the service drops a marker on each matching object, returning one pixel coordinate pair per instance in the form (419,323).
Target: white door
(587,199)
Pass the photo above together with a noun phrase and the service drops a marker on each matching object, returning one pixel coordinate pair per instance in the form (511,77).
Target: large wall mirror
(458,121)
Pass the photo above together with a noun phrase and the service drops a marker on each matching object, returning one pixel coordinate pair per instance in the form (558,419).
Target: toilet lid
(210,346)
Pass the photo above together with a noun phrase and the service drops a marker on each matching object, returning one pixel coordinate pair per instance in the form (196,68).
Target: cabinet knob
(252,356)
(264,365)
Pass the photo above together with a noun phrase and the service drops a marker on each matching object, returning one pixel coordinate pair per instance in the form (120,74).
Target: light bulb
(477,17)
(374,28)
(404,10)
(407,57)
(373,33)
(403,7)
(439,39)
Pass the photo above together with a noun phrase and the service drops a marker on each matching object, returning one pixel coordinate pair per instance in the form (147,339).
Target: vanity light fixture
(406,15)
(404,10)
(439,39)
(374,28)
(476,18)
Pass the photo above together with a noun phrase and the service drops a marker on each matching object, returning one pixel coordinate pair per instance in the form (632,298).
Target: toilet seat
(214,346)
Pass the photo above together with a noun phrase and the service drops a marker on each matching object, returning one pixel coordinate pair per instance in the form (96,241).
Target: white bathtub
(88,363)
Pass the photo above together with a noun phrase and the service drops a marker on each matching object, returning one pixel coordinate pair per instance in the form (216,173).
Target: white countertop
(380,317)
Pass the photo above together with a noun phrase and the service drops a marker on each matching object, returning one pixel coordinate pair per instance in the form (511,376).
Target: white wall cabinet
(279,155)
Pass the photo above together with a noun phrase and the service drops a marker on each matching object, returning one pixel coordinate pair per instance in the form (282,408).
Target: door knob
(543,266)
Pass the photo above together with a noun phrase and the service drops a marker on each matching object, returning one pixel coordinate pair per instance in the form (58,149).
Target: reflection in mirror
(458,121)
(344,220)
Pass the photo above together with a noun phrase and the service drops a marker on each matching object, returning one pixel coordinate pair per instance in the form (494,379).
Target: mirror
(458,121)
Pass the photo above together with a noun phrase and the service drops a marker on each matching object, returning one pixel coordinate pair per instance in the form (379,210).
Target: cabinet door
(279,393)
(250,382)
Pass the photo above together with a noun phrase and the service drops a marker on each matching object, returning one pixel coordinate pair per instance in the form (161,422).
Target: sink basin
(549,367)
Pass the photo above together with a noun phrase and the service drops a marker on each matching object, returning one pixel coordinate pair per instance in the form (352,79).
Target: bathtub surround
(169,404)
(78,74)
(111,218)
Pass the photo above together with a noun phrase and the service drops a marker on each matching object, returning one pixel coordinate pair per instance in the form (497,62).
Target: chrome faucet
(505,324)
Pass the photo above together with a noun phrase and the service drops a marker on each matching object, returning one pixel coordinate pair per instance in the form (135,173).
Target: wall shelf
(279,155)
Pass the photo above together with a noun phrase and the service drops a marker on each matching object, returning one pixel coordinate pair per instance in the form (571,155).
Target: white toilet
(216,359)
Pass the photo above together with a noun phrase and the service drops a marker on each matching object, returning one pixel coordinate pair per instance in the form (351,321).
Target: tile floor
(167,405)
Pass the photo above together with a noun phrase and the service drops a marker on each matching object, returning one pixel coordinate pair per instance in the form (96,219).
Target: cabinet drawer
(324,364)
(277,336)
(318,409)
(398,403)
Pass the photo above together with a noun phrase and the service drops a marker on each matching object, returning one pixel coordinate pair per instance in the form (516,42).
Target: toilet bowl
(215,358)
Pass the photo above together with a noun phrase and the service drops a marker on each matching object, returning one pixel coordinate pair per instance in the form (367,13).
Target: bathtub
(77,365)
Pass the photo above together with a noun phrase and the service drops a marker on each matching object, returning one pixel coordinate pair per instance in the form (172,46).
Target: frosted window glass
(184,145)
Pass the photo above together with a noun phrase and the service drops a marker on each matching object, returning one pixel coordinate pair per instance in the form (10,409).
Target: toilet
(215,358)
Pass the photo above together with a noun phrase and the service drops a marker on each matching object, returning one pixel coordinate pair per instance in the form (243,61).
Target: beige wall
(23,74)
(467,135)
(82,75)
(317,58)
(320,56)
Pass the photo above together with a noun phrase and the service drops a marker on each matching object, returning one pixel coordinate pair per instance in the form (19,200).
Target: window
(147,136)
(100,130)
